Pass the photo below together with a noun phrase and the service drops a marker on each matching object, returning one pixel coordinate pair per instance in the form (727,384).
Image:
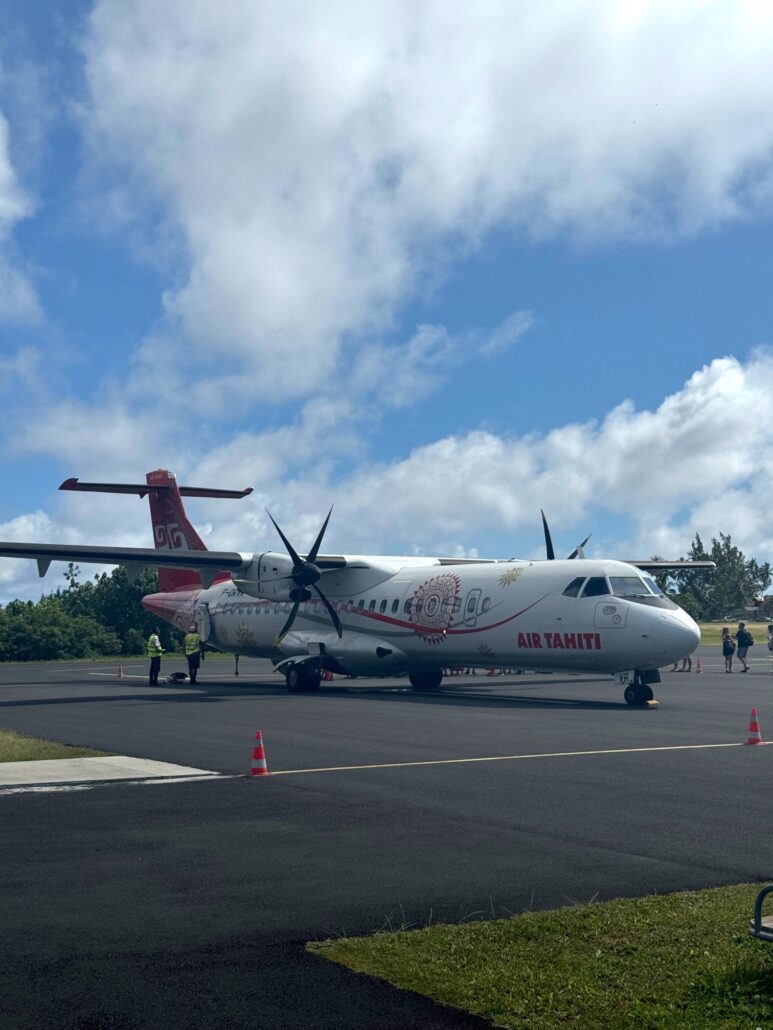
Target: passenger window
(407,607)
(395,606)
(486,604)
(574,587)
(596,587)
(372,606)
(360,605)
(471,605)
(382,608)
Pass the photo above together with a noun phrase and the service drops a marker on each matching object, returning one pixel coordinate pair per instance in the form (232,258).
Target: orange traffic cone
(259,764)
(121,675)
(755,737)
(698,666)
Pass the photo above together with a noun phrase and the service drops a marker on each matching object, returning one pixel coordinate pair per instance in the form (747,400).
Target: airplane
(375,615)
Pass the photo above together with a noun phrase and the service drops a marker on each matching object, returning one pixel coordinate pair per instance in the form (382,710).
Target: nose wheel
(638,693)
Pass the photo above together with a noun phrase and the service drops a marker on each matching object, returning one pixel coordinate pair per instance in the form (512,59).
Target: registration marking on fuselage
(511,758)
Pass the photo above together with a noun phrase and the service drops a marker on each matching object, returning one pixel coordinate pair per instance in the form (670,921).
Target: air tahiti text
(571,641)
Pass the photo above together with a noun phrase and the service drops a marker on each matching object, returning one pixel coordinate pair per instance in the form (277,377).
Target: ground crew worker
(155,650)
(192,646)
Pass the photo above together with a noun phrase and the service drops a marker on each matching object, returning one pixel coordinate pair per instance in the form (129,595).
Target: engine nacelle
(269,576)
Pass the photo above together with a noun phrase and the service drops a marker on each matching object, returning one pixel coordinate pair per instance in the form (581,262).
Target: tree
(36,632)
(735,583)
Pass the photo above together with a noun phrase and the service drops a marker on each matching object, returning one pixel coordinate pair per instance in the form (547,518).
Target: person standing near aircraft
(192,646)
(728,649)
(743,641)
(155,650)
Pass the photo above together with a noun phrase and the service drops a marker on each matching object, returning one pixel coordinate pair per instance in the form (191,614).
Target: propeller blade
(297,560)
(548,542)
(312,555)
(330,610)
(577,552)
(290,620)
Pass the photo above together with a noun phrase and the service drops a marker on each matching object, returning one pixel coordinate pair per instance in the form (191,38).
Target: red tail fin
(172,530)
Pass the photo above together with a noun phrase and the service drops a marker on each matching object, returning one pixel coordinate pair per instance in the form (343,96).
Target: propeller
(305,574)
(551,554)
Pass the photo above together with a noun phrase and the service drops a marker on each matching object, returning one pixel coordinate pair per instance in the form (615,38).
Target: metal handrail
(756,927)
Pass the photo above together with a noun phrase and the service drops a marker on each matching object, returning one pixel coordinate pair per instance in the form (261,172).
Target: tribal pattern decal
(433,605)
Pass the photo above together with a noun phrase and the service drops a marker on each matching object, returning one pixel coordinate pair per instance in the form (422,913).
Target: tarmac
(183,901)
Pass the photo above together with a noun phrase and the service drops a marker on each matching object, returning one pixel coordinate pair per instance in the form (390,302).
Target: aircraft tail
(171,528)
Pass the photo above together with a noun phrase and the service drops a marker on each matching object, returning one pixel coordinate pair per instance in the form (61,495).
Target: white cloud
(17,297)
(701,462)
(321,162)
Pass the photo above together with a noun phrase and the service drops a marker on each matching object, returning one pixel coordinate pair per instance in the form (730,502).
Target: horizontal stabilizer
(142,489)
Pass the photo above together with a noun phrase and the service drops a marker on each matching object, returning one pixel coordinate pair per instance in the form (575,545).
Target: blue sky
(440,267)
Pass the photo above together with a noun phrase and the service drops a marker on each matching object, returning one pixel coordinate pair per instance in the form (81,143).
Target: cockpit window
(653,586)
(628,586)
(596,587)
(574,587)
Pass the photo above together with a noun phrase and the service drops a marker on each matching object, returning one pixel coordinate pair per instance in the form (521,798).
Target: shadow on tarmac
(398,691)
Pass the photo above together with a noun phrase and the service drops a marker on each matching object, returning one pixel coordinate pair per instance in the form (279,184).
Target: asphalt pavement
(188,904)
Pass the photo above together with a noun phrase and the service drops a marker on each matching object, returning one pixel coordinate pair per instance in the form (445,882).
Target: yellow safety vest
(192,643)
(155,649)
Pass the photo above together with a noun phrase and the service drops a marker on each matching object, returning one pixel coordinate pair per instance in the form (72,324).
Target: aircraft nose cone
(666,636)
(680,635)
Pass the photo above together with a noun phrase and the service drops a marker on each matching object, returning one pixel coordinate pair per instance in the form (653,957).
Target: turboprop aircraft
(386,616)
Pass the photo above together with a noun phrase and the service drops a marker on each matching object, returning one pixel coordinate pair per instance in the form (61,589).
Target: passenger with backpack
(744,641)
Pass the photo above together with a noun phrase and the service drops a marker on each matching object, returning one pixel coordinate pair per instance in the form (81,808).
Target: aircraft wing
(44,554)
(656,565)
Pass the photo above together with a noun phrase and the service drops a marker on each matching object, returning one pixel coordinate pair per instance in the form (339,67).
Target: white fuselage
(401,614)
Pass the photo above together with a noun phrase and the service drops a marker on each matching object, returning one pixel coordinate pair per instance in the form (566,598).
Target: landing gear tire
(426,680)
(302,681)
(638,694)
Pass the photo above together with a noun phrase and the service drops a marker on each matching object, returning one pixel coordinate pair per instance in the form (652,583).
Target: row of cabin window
(450,606)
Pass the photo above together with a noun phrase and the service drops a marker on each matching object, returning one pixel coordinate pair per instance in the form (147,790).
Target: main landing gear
(640,692)
(425,680)
(303,680)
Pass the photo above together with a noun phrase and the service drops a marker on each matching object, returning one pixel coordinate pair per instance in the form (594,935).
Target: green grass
(679,961)
(17,748)
(711,633)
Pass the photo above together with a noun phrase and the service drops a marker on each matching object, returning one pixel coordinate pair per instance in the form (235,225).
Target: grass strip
(667,961)
(711,633)
(14,747)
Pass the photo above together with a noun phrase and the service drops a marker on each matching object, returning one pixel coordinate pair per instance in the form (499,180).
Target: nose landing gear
(640,692)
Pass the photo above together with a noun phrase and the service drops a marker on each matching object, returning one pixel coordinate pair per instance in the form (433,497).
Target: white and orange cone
(698,666)
(755,737)
(259,764)
(121,674)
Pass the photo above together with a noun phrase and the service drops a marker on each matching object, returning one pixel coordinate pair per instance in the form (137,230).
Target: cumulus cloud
(700,462)
(318,163)
(18,302)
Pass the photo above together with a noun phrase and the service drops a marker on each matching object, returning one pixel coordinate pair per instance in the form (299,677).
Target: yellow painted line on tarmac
(512,758)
